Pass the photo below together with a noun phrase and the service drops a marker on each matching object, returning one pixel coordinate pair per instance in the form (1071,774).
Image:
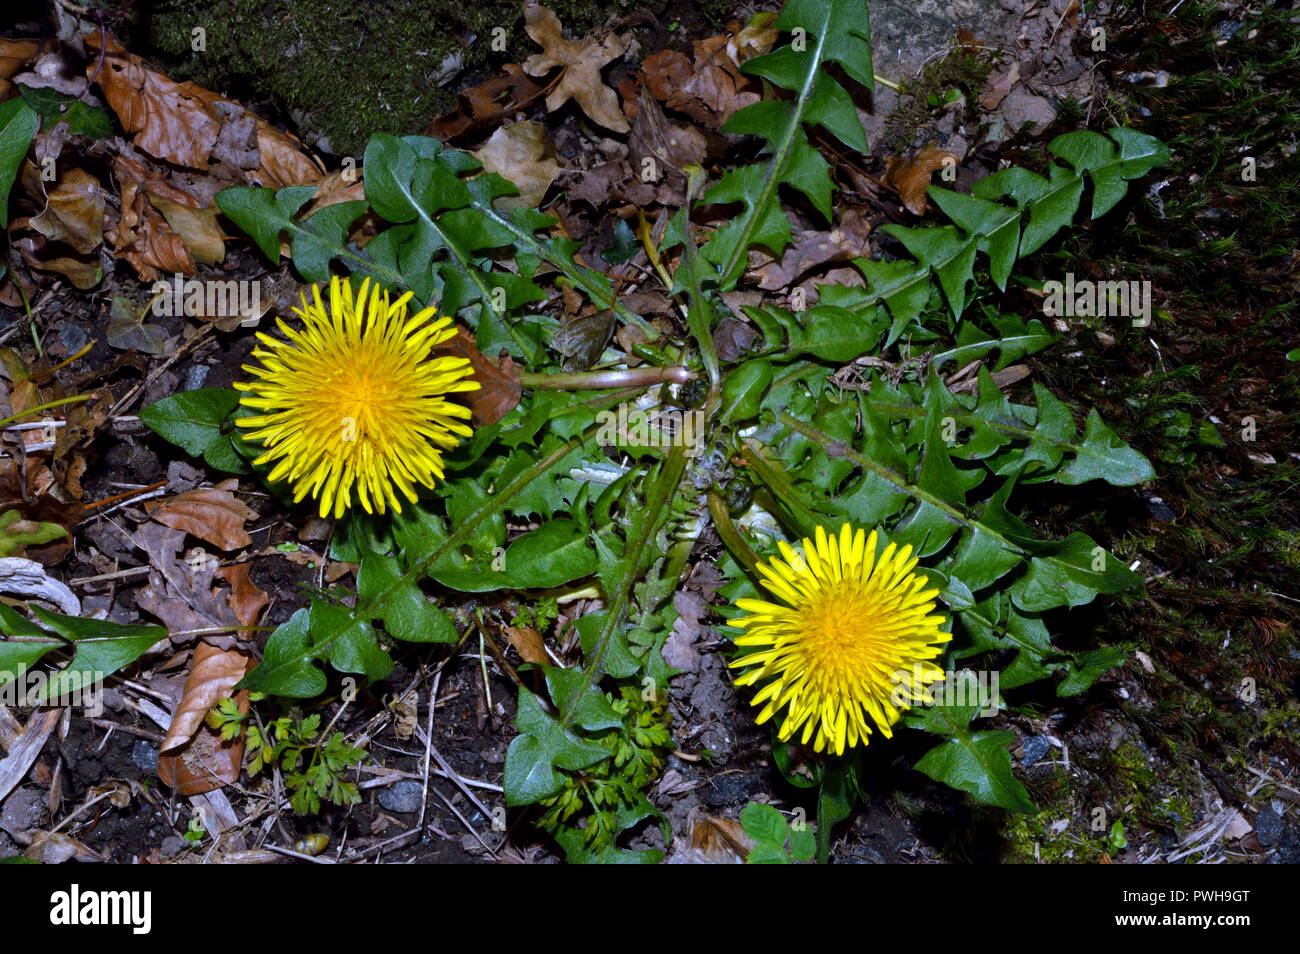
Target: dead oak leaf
(910,177)
(213,514)
(582,61)
(709,88)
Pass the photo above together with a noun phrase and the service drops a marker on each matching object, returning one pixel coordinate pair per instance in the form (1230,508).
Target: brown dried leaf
(142,237)
(848,240)
(213,514)
(524,154)
(205,762)
(82,273)
(910,177)
(14,56)
(528,643)
(499,96)
(582,61)
(246,598)
(709,88)
(180,592)
(658,152)
(213,675)
(170,120)
(73,441)
(283,159)
(54,848)
(999,86)
(74,212)
(197,228)
(499,390)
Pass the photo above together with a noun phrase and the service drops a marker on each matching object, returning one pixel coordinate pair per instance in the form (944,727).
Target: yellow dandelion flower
(854,639)
(354,399)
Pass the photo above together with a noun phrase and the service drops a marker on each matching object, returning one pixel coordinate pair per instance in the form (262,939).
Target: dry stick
(424,801)
(157,372)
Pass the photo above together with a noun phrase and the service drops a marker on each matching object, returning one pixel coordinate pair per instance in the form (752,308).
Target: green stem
(76,399)
(594,380)
(636,559)
(735,261)
(780,484)
(731,537)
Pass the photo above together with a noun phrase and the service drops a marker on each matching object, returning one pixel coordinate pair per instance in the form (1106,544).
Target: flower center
(838,624)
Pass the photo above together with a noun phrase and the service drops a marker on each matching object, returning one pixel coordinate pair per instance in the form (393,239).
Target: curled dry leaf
(74,212)
(910,177)
(499,390)
(524,154)
(197,228)
(213,675)
(582,61)
(479,107)
(142,237)
(213,514)
(54,848)
(205,762)
(246,598)
(180,591)
(81,273)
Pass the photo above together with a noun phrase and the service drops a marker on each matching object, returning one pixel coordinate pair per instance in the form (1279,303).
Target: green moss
(965,72)
(343,70)
(1041,839)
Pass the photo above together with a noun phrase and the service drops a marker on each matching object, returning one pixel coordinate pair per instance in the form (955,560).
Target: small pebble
(145,756)
(403,797)
(73,337)
(172,846)
(1268,826)
(1035,747)
(195,377)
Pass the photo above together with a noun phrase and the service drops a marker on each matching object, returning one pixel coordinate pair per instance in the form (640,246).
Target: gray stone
(1035,747)
(404,797)
(145,755)
(1021,107)
(905,33)
(172,846)
(1268,826)
(22,810)
(73,337)
(195,377)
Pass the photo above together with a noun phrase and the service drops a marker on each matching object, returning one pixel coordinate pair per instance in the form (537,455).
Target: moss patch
(343,70)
